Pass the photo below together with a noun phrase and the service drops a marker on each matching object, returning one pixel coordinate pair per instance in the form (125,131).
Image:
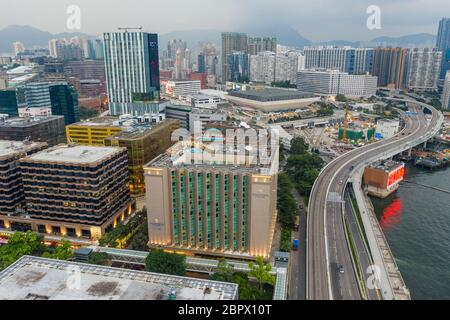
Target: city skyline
(346,22)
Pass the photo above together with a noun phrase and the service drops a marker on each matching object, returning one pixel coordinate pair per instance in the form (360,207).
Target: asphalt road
(297,274)
(327,247)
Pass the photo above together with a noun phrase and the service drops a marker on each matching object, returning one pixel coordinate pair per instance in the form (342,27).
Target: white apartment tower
(446,92)
(424,68)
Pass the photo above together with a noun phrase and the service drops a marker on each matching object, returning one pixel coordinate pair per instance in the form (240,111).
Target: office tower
(390,66)
(443,44)
(64,102)
(334,82)
(423,69)
(37,95)
(173,46)
(18,47)
(446,92)
(237,67)
(261,44)
(94,49)
(8,102)
(211,208)
(262,67)
(287,65)
(231,42)
(132,72)
(76,191)
(13,199)
(49,129)
(201,63)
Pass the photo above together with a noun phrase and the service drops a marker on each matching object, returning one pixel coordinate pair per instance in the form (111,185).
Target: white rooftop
(74,154)
(9,147)
(33,278)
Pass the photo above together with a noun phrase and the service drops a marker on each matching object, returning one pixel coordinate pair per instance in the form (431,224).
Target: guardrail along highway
(329,268)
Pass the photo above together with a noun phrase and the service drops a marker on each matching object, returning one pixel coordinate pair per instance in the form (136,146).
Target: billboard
(396,176)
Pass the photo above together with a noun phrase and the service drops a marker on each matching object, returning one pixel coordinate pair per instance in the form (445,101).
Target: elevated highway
(329,268)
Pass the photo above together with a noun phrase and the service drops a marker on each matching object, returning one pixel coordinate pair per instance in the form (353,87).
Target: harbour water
(416,222)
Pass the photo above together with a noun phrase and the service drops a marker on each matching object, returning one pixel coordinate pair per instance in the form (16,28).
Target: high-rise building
(238,66)
(423,69)
(65,50)
(390,66)
(446,92)
(288,64)
(37,95)
(334,82)
(201,63)
(231,42)
(346,59)
(262,67)
(18,47)
(326,57)
(64,101)
(8,102)
(211,208)
(443,45)
(261,44)
(49,129)
(132,72)
(359,60)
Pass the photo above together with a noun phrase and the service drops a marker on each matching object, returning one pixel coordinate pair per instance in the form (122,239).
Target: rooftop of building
(387,165)
(132,127)
(10,147)
(74,154)
(33,278)
(270,94)
(20,70)
(199,156)
(23,122)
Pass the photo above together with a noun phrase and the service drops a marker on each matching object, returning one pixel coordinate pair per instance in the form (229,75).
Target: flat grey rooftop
(266,95)
(22,122)
(10,147)
(74,154)
(31,278)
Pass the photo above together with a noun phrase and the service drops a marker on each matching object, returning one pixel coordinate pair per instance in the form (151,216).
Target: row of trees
(256,285)
(122,233)
(303,166)
(30,243)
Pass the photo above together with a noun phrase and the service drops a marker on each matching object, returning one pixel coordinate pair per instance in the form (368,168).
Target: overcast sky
(317,20)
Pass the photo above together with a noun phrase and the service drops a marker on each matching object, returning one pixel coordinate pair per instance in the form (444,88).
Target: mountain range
(286,35)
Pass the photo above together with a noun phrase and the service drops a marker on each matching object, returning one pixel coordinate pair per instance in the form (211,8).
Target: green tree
(99,258)
(87,113)
(261,272)
(224,272)
(298,146)
(19,244)
(168,263)
(63,251)
(341,98)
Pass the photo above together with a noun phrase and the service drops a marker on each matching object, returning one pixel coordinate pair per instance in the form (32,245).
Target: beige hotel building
(209,208)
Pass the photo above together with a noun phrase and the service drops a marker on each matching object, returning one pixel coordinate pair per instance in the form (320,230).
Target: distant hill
(420,40)
(285,34)
(29,36)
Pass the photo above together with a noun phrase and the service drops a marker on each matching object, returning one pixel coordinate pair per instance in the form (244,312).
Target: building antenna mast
(130,28)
